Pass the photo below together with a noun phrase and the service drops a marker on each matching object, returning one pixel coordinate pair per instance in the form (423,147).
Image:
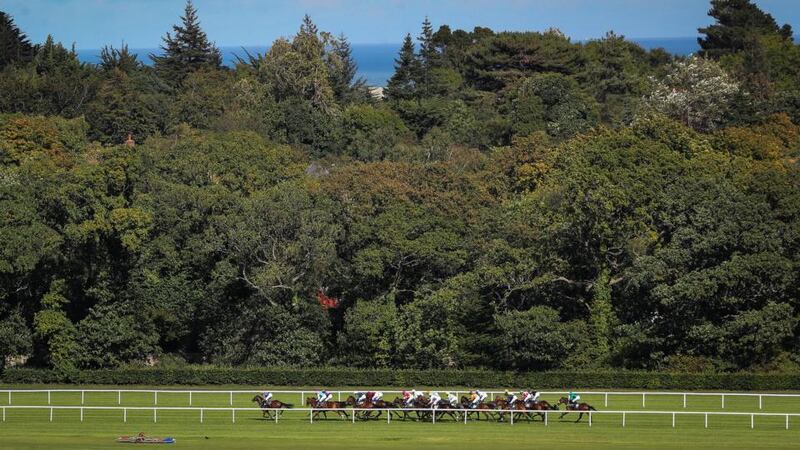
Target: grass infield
(24,429)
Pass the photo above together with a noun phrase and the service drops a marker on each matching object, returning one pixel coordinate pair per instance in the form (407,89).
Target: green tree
(189,50)
(15,338)
(403,84)
(738,22)
(15,48)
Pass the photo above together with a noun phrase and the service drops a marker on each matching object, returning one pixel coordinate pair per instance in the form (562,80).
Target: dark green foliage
(189,50)
(15,48)
(403,85)
(738,22)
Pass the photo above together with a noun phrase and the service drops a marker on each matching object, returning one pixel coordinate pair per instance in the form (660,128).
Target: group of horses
(420,409)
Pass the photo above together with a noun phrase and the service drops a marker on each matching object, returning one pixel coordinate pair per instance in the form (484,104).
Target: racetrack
(33,428)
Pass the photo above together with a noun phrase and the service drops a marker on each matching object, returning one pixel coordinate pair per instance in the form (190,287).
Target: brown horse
(583,408)
(485,408)
(267,407)
(364,415)
(324,407)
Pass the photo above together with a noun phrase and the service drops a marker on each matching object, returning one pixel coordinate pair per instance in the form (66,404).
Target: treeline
(517,201)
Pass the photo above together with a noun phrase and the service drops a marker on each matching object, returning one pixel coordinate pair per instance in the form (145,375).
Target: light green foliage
(552,103)
(367,338)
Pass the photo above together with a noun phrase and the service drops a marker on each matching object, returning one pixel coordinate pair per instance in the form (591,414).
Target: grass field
(32,428)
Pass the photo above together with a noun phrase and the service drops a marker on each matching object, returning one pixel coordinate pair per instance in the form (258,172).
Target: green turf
(33,428)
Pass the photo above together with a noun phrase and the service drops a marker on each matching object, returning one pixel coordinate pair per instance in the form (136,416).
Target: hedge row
(337,376)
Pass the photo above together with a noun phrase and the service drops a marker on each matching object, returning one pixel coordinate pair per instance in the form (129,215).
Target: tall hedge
(336,376)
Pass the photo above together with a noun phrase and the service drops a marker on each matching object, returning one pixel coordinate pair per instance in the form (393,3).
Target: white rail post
(51,414)
(231,398)
(4,418)
(155,398)
(673,420)
(190,398)
(340,395)
(201,415)
(48,397)
(155,415)
(643,395)
(606,401)
(9,397)
(389,416)
(82,396)
(760,404)
(119,397)
(353,411)
(81,414)
(723,401)
(302,399)
(277,414)
(125,415)
(706,422)
(590,418)
(623,419)
(787,418)
(684,401)
(233,415)
(752,421)
(512,417)
(545,418)
(311,415)
(465,416)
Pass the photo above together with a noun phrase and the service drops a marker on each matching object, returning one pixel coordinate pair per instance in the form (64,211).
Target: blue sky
(141,23)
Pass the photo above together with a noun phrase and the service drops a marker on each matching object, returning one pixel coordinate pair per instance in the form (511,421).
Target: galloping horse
(583,408)
(324,407)
(366,405)
(267,407)
(484,408)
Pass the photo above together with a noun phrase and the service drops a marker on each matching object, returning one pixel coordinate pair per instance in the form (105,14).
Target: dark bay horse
(324,407)
(267,407)
(583,408)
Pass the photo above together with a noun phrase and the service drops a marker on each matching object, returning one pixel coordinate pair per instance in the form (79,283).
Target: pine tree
(738,23)
(428,57)
(342,70)
(188,51)
(121,59)
(402,85)
(14,45)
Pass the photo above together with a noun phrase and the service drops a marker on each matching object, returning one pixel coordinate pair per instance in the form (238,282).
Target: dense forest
(514,200)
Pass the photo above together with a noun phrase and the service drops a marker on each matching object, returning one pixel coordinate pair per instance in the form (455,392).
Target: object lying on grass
(141,438)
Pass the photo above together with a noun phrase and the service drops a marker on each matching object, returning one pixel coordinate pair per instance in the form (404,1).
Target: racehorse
(366,405)
(324,407)
(583,408)
(483,407)
(267,407)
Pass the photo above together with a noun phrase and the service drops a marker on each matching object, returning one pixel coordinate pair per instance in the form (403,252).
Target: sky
(90,24)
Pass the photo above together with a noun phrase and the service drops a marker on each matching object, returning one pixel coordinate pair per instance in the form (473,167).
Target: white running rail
(547,413)
(302,394)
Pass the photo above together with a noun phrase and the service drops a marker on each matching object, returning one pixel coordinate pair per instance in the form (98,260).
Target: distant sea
(376,61)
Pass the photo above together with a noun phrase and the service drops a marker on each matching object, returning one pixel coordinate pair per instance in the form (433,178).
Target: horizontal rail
(470,410)
(311,390)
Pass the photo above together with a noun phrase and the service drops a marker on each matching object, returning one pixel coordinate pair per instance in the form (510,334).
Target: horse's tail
(288,405)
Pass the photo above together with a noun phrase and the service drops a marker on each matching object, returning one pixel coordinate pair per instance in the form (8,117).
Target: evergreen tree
(14,45)
(738,22)
(402,85)
(188,51)
(428,57)
(121,59)
(342,70)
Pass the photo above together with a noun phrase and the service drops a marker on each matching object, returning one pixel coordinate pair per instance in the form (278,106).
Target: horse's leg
(562,415)
(580,416)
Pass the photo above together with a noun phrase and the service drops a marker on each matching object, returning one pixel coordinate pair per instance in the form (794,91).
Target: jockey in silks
(529,397)
(435,399)
(573,398)
(475,399)
(377,396)
(360,397)
(511,398)
(407,399)
(481,396)
(322,396)
(267,396)
(452,399)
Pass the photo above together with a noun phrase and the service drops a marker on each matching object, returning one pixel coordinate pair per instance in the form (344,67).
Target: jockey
(417,394)
(452,399)
(435,399)
(481,396)
(408,398)
(474,399)
(369,396)
(511,398)
(360,397)
(377,396)
(322,396)
(267,396)
(573,398)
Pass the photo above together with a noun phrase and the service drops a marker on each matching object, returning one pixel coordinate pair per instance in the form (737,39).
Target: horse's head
(351,400)
(563,400)
(311,401)
(258,399)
